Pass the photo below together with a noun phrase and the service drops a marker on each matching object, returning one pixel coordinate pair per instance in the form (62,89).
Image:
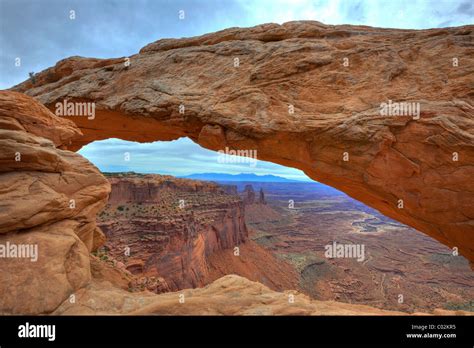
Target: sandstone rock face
(173,247)
(48,200)
(230,189)
(261,197)
(230,295)
(149,188)
(305,95)
(170,226)
(39,286)
(248,196)
(19,112)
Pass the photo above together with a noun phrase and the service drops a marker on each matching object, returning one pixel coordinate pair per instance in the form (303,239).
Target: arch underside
(334,131)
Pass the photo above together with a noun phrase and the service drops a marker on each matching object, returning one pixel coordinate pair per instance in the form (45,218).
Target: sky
(41,32)
(179,158)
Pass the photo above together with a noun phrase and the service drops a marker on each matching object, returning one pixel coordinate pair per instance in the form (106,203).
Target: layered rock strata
(162,226)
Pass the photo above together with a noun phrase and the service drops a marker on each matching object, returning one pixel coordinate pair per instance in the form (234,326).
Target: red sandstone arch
(336,109)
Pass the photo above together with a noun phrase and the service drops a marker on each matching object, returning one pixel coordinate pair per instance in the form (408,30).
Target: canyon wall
(305,95)
(149,188)
(171,226)
(249,196)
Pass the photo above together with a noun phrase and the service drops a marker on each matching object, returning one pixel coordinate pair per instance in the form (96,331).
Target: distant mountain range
(239,177)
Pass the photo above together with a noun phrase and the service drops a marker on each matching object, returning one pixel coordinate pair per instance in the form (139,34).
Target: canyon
(172,247)
(176,233)
(51,196)
(402,269)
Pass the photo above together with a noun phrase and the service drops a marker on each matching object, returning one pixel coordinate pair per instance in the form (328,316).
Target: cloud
(404,14)
(41,33)
(179,157)
(466,8)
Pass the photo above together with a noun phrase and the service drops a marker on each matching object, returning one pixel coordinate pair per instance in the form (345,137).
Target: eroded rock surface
(48,199)
(305,95)
(229,295)
(170,226)
(183,233)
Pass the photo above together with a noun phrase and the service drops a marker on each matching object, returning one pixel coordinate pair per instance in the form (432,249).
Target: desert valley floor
(281,230)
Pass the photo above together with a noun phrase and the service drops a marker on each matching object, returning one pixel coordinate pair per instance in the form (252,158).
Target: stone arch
(293,101)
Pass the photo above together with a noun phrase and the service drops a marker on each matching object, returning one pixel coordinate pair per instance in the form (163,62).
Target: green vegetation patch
(462,306)
(448,259)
